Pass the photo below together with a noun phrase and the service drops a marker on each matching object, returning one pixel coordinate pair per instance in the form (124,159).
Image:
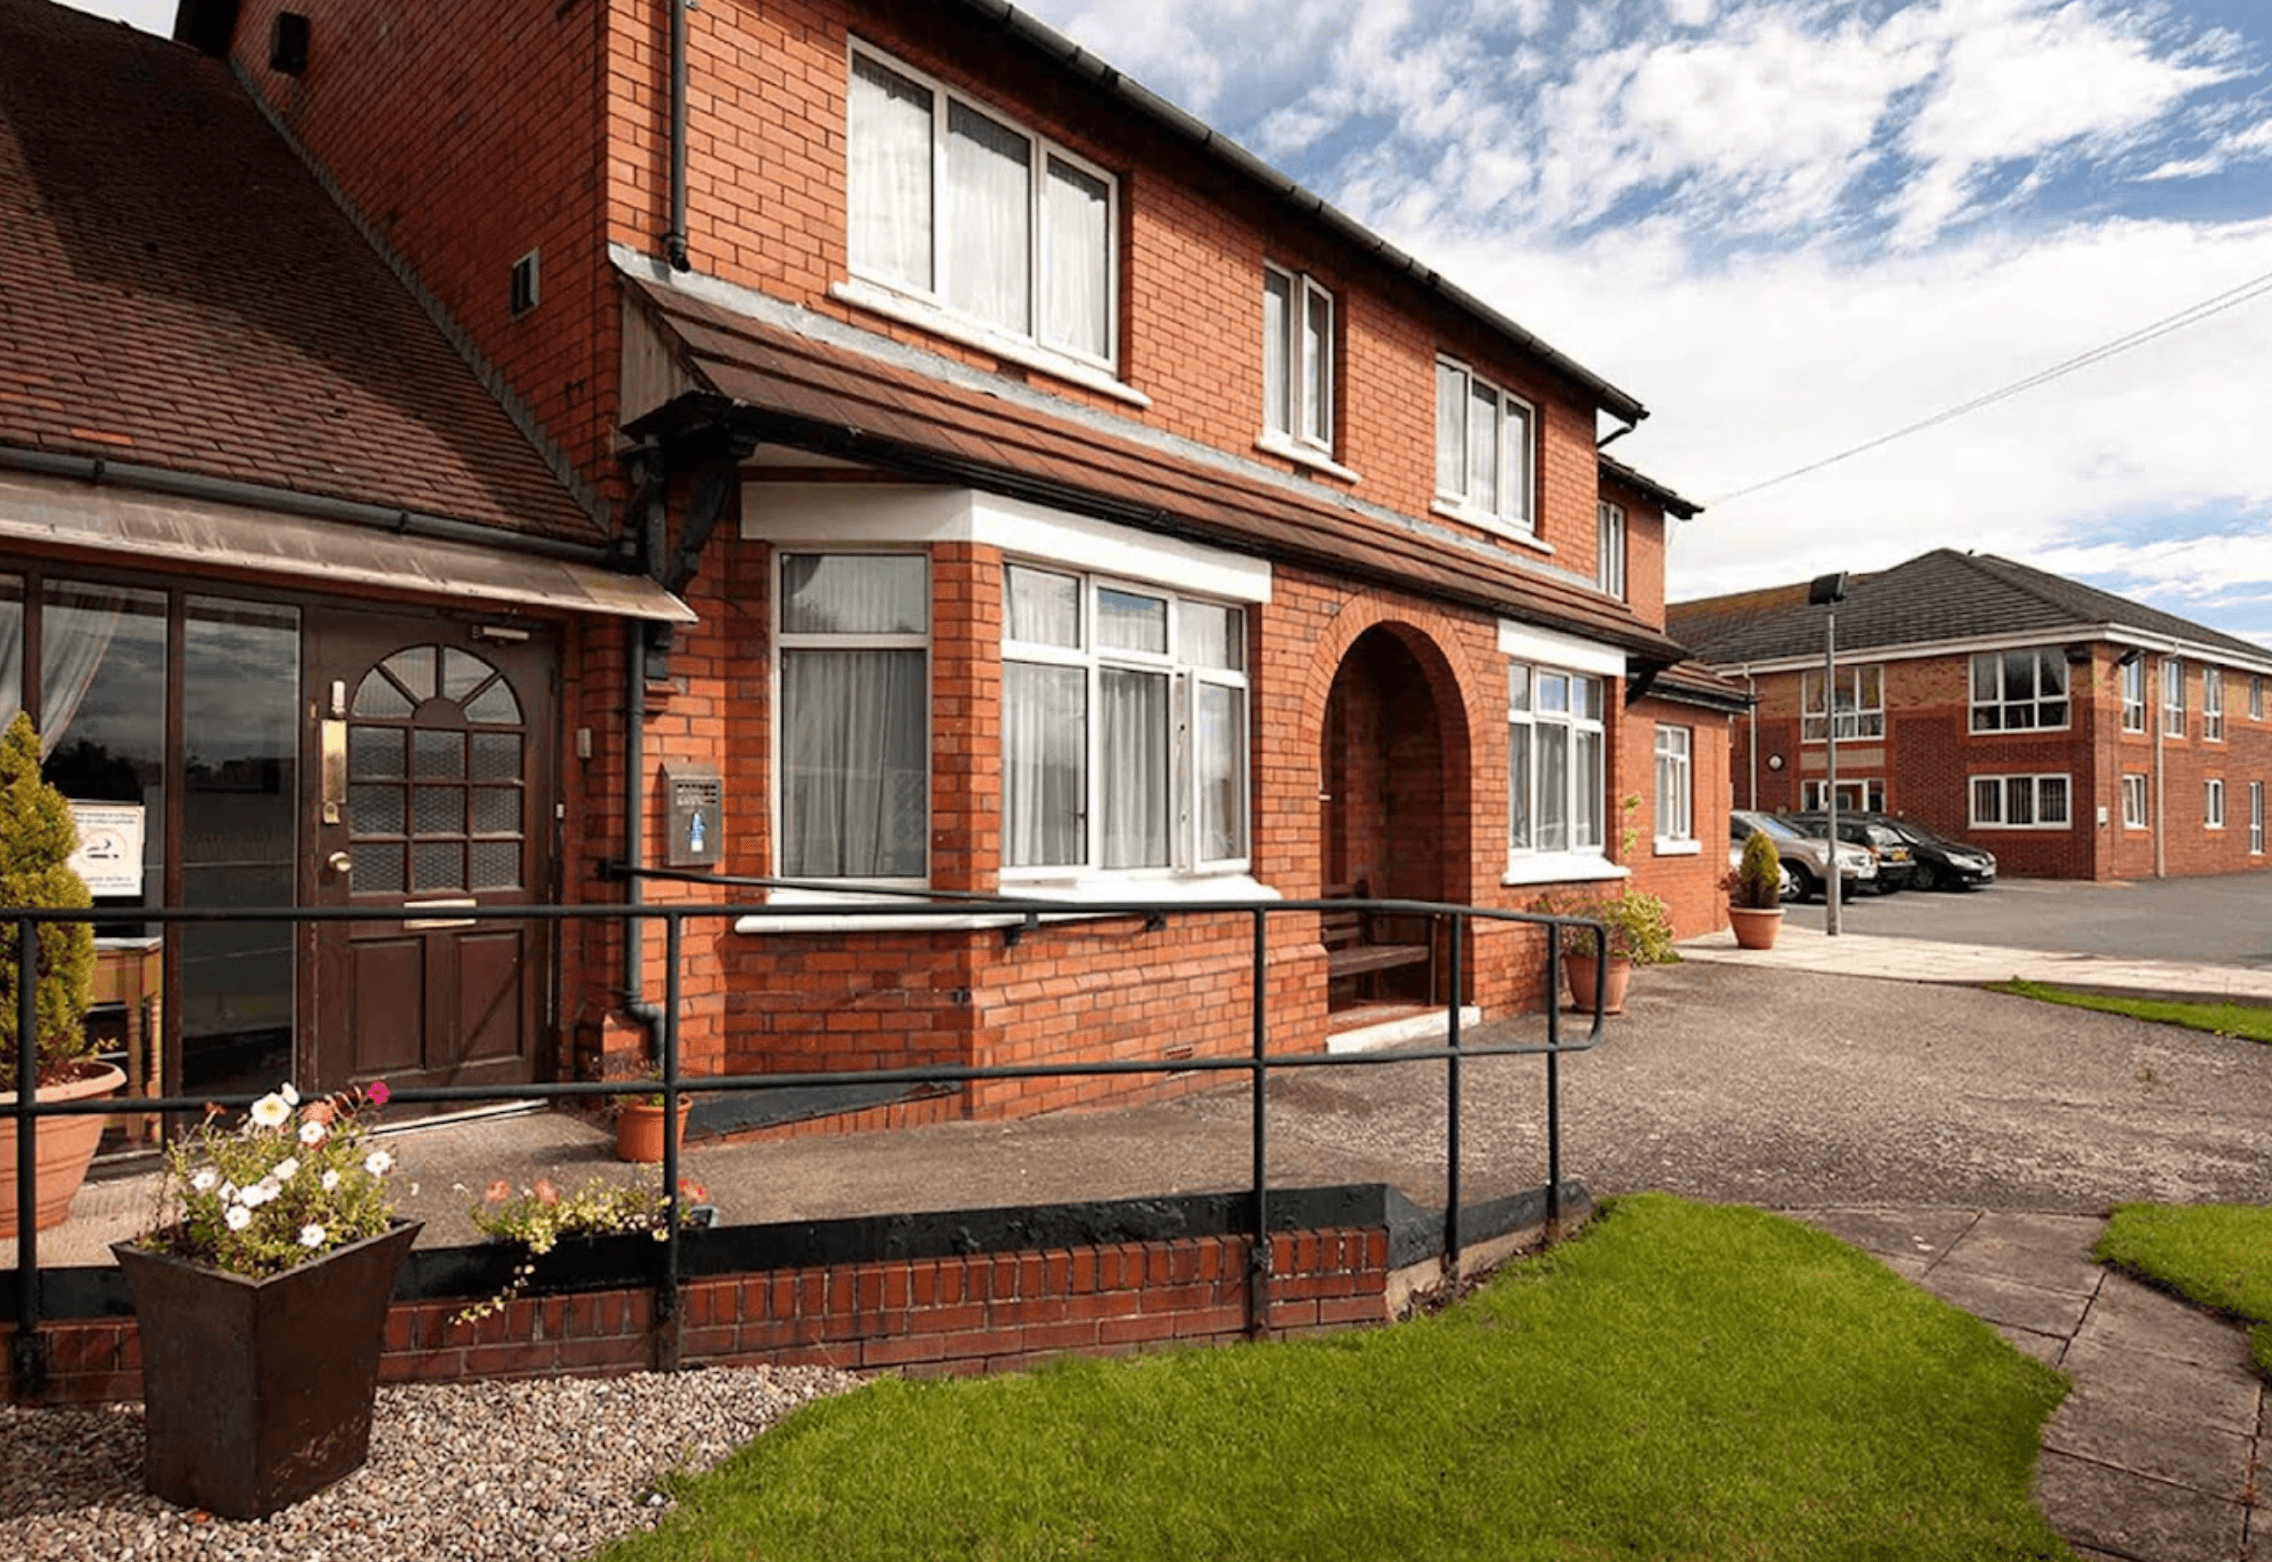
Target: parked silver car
(1806,858)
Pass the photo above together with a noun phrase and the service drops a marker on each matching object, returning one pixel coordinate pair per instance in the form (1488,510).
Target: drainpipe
(2154,699)
(1752,715)
(674,242)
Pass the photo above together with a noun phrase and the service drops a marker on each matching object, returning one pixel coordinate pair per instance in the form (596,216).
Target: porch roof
(831,398)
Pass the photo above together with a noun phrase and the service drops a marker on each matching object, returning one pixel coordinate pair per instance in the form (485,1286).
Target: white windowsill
(1019,350)
(1680,848)
(1563,868)
(1304,455)
(869,914)
(1497,525)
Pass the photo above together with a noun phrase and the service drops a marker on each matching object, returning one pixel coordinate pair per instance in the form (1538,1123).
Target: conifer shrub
(37,837)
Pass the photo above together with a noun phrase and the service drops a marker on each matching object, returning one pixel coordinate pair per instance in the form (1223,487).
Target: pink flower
(378,1092)
(545,1192)
(498,1192)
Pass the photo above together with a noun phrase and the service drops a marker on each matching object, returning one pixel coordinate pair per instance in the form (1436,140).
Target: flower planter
(1580,969)
(1755,928)
(639,1129)
(63,1145)
(258,1393)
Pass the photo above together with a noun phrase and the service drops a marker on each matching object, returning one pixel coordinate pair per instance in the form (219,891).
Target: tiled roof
(797,390)
(1650,489)
(1937,597)
(178,291)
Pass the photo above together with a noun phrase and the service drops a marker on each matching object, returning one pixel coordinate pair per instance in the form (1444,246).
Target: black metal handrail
(30,1360)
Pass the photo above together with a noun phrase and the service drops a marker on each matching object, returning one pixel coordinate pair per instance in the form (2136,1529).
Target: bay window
(854,659)
(1554,760)
(958,208)
(1124,727)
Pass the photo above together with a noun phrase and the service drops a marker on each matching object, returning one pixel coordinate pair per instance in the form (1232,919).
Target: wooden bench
(1357,942)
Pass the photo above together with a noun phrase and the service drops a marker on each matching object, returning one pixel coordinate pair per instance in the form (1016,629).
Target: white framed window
(2134,695)
(2173,697)
(1609,524)
(2020,802)
(2133,802)
(1863,796)
(2212,705)
(962,210)
(1483,449)
(2019,691)
(1676,788)
(1554,760)
(852,700)
(2256,698)
(2256,818)
(1124,728)
(2213,804)
(1860,699)
(1297,360)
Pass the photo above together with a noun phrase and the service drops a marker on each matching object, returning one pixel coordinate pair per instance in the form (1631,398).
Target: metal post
(1258,1254)
(1451,1111)
(1832,880)
(1554,1078)
(30,1364)
(666,1296)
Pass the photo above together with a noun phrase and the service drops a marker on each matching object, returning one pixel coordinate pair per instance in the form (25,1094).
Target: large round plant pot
(1580,969)
(1755,929)
(639,1129)
(63,1145)
(258,1393)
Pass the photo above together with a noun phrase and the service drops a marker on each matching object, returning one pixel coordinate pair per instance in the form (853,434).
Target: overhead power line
(2231,298)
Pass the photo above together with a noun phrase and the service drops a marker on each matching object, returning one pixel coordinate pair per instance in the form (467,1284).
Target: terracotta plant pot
(1580,969)
(1755,929)
(257,1394)
(639,1129)
(64,1146)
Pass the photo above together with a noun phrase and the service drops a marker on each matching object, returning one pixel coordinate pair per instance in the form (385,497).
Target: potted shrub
(639,1124)
(1639,933)
(1755,893)
(261,1300)
(37,837)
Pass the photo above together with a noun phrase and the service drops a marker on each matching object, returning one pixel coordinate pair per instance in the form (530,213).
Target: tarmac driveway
(2223,920)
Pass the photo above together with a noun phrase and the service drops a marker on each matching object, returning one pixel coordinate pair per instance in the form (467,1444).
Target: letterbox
(695,794)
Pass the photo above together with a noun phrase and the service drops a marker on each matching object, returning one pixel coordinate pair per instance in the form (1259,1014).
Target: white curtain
(1586,800)
(11,649)
(1277,337)
(1221,741)
(1076,306)
(1483,441)
(1045,772)
(854,593)
(73,642)
(1553,790)
(989,220)
(1041,608)
(1127,621)
(1317,337)
(1451,430)
(889,175)
(1518,786)
(853,776)
(1135,760)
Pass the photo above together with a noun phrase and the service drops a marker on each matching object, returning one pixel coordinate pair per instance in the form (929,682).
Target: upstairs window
(2256,699)
(1860,699)
(1124,728)
(1483,449)
(958,208)
(1554,760)
(2212,705)
(2134,696)
(2019,691)
(1609,526)
(2173,697)
(1297,360)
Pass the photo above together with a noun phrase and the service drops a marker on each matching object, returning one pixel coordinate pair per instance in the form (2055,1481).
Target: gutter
(1215,144)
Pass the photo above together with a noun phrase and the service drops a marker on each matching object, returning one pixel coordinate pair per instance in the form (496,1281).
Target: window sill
(1497,525)
(1562,868)
(970,333)
(856,913)
(1304,455)
(1680,848)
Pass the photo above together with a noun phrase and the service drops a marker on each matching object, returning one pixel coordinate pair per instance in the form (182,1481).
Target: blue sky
(1793,227)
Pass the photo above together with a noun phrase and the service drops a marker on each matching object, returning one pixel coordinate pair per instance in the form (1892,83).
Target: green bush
(1757,883)
(37,837)
(1639,926)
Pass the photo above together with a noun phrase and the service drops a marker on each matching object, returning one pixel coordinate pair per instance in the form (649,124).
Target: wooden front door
(432,757)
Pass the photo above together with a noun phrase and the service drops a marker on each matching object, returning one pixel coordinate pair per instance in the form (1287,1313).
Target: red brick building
(961,472)
(2074,733)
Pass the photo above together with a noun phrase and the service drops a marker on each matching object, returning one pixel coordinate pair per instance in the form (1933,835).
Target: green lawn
(1684,1380)
(2247,1021)
(2219,1255)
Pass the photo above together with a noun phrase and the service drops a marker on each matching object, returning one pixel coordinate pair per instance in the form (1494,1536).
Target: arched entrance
(1394,794)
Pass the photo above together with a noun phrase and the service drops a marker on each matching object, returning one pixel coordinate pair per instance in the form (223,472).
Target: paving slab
(1998,1299)
(2112,1426)
(2133,1516)
(1911,1236)
(2132,1316)
(2068,1274)
(2223,1397)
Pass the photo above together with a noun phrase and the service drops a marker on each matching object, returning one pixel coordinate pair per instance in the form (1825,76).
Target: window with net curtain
(1124,727)
(854,644)
(1554,760)
(961,208)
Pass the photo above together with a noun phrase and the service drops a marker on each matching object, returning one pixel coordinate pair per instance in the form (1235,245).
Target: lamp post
(1828,591)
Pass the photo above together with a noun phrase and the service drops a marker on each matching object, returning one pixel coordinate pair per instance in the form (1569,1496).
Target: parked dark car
(1937,861)
(1897,865)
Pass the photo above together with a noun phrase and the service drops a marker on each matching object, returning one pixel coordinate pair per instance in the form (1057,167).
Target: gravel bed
(459,1472)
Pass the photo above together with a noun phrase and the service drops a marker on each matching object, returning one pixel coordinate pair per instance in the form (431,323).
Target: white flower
(258,1194)
(291,1096)
(205,1181)
(286,1169)
(378,1163)
(271,1111)
(238,1217)
(311,1235)
(330,1181)
(312,1132)
(228,1192)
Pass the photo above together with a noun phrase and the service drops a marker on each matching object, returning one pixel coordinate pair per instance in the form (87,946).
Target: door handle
(339,862)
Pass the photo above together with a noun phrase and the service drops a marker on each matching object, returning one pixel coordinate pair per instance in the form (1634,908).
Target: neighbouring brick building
(906,444)
(2075,733)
